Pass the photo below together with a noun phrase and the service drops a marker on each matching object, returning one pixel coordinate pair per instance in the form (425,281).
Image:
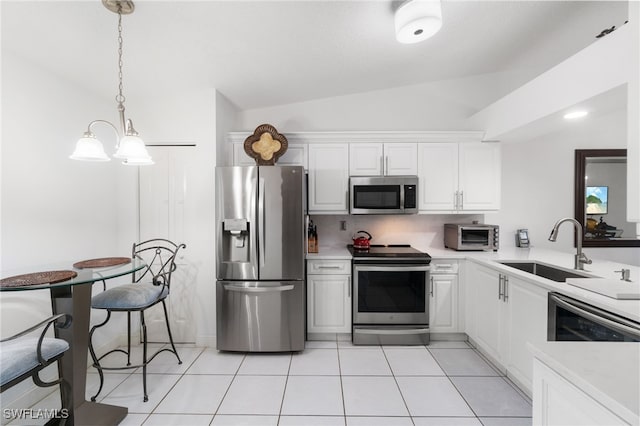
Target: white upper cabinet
(438,176)
(383,159)
(328,178)
(459,177)
(479,176)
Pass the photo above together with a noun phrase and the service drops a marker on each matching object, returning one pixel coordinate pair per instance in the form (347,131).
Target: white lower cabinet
(558,402)
(444,297)
(528,325)
(485,287)
(508,314)
(329,296)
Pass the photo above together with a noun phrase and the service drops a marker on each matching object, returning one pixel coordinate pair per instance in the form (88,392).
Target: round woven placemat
(36,278)
(102,262)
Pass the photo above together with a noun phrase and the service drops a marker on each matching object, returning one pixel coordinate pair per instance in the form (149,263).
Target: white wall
(55,211)
(190,118)
(441,105)
(420,231)
(226,121)
(538,183)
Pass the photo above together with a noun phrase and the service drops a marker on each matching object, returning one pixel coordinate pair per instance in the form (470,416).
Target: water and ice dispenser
(235,240)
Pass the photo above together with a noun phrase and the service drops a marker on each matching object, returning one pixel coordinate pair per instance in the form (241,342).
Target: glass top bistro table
(73,296)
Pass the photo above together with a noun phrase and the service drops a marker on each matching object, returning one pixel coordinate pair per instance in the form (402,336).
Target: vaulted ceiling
(262,53)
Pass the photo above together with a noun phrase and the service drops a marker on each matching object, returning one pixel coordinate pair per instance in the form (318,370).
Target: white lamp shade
(417,20)
(132,149)
(89,149)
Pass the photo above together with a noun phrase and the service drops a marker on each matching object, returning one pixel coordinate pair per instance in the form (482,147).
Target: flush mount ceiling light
(129,147)
(417,20)
(575,114)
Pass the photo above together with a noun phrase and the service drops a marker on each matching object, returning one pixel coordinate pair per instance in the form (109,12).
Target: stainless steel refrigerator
(260,295)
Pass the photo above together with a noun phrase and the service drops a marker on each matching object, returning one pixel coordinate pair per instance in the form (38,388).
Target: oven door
(390,294)
(476,238)
(572,320)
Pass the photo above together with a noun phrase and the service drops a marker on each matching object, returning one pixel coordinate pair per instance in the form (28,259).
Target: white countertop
(599,268)
(330,252)
(608,372)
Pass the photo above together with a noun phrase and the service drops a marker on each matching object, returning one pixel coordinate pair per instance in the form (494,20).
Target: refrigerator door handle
(243,289)
(261,221)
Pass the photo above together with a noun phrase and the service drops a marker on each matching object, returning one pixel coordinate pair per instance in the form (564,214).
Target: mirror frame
(581,156)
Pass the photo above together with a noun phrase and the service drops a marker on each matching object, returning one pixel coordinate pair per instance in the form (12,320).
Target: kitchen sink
(550,272)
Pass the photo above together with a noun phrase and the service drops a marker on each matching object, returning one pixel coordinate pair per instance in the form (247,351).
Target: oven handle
(596,315)
(391,268)
(403,331)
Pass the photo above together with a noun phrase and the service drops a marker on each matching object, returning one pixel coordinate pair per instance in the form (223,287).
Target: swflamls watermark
(34,413)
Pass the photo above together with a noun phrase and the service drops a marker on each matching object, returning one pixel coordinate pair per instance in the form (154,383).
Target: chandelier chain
(120,97)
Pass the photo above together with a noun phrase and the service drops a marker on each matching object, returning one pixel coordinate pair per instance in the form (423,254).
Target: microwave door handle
(618,326)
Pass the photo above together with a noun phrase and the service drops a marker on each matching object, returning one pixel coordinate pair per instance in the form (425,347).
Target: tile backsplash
(421,231)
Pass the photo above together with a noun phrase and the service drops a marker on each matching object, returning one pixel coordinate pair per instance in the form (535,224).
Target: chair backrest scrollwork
(159,254)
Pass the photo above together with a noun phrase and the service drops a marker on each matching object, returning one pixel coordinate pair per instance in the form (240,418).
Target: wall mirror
(601,198)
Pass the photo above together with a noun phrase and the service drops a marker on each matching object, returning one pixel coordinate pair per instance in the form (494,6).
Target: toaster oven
(469,237)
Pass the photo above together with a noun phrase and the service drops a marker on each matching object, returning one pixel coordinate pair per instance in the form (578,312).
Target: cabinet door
(400,159)
(479,173)
(558,402)
(329,303)
(443,303)
(365,159)
(489,307)
(240,158)
(167,210)
(328,178)
(527,324)
(296,155)
(438,176)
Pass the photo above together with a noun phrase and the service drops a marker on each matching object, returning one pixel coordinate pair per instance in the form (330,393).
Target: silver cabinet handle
(431,287)
(349,287)
(258,289)
(500,281)
(455,200)
(505,288)
(386,166)
(329,267)
(461,200)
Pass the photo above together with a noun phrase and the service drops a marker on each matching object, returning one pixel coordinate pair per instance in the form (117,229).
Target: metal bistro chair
(22,357)
(150,286)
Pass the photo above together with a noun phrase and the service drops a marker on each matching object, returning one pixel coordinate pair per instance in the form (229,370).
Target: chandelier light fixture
(130,147)
(417,20)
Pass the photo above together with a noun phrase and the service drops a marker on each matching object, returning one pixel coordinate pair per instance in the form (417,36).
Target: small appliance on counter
(390,295)
(471,236)
(522,238)
(360,242)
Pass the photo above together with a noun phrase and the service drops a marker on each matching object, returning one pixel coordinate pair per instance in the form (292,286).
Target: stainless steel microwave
(468,237)
(383,194)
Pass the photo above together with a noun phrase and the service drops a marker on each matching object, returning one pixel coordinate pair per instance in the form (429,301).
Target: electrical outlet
(343,225)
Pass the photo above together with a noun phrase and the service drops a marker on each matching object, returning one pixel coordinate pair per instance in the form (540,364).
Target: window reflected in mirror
(601,198)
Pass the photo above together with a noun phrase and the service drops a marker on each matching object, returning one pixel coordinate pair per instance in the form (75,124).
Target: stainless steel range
(390,295)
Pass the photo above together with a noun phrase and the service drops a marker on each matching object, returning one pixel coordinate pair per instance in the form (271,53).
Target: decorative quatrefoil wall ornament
(265,145)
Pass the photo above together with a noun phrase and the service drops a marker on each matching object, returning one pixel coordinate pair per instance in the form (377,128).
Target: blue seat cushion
(129,296)
(20,356)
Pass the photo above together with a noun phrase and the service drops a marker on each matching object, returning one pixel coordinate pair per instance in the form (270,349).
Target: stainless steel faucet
(580,257)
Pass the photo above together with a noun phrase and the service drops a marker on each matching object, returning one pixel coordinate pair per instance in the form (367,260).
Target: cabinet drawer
(444,266)
(326,266)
